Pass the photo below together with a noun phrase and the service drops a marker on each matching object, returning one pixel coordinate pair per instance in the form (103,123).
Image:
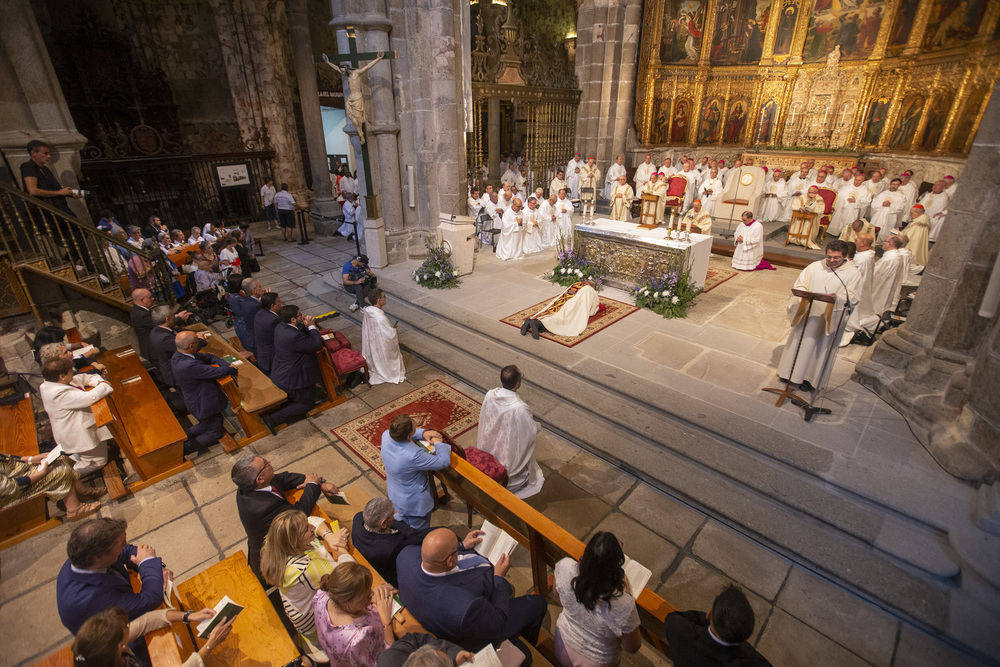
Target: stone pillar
(312,120)
(941,368)
(32,105)
(493,136)
(607,46)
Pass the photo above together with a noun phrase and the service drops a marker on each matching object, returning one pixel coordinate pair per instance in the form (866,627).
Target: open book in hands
(496,542)
(638,576)
(226,609)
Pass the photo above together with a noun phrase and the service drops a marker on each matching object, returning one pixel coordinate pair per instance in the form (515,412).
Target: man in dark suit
(716,639)
(142,320)
(294,368)
(245,312)
(162,344)
(260,497)
(95,577)
(264,323)
(481,608)
(197,378)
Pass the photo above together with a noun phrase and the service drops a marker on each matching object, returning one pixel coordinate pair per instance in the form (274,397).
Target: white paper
(53,455)
(487,657)
(396,606)
(82,351)
(496,542)
(638,575)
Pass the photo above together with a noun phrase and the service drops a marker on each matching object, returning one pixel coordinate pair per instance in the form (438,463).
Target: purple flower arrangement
(572,267)
(437,271)
(669,294)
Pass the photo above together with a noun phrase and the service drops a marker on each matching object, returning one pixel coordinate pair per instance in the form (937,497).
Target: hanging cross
(354,103)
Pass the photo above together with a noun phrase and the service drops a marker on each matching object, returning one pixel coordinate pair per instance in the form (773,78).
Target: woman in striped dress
(295,556)
(20,480)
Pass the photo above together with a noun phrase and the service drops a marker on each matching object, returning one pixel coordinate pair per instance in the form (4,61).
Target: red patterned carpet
(435,405)
(716,277)
(613,311)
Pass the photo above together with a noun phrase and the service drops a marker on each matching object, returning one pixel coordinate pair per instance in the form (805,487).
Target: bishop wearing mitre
(657,187)
(621,200)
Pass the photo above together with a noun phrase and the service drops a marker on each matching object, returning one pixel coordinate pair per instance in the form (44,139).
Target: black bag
(254,265)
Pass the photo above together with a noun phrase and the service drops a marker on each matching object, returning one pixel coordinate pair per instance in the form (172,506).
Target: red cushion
(486,463)
(346,360)
(339,341)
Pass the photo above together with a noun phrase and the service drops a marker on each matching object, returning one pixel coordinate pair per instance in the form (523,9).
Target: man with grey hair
(419,649)
(162,346)
(51,351)
(260,498)
(245,311)
(380,537)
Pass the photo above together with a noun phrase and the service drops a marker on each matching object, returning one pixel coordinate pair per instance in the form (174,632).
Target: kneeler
(346,360)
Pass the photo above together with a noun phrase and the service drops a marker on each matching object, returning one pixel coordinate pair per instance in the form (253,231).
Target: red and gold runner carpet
(716,277)
(613,311)
(435,405)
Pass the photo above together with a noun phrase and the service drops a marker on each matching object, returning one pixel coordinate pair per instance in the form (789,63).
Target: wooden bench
(18,437)
(258,636)
(182,256)
(137,415)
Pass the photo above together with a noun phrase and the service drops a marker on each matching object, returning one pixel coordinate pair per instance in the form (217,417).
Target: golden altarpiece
(851,76)
(525,95)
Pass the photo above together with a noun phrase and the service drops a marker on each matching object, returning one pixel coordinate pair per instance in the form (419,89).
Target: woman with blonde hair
(354,621)
(103,639)
(295,557)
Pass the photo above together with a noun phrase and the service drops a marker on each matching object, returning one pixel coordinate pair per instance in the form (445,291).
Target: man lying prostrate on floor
(715,639)
(567,314)
(96,575)
(379,536)
(507,431)
(379,342)
(458,595)
(260,497)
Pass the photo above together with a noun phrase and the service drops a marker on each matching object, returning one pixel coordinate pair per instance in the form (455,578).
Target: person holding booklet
(599,618)
(104,638)
(20,480)
(406,466)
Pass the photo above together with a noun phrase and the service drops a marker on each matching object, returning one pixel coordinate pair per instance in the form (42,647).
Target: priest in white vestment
(532,239)
(658,186)
(918,233)
(709,190)
(876,185)
(846,178)
(887,207)
(723,170)
(667,169)
(566,315)
(546,218)
(749,241)
(590,178)
(810,202)
(611,178)
(557,183)
(823,328)
(888,275)
(576,163)
(573,184)
(935,205)
(621,200)
(510,245)
(564,217)
(507,430)
(350,211)
(475,204)
(692,178)
(509,176)
(698,219)
(855,229)
(950,186)
(642,173)
(852,199)
(822,180)
(908,188)
(775,193)
(796,186)
(379,343)
(864,316)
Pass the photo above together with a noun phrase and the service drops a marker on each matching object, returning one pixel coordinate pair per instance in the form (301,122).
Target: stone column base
(375,245)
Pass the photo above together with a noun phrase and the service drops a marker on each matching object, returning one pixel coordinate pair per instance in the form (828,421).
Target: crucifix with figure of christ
(354,104)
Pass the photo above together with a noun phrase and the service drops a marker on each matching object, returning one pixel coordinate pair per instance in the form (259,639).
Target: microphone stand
(820,392)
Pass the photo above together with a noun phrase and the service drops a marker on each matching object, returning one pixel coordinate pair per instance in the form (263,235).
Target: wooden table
(258,637)
(140,420)
(251,395)
(29,517)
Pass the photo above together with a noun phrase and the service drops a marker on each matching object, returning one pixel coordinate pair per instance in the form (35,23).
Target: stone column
(32,105)
(493,136)
(312,121)
(941,368)
(607,45)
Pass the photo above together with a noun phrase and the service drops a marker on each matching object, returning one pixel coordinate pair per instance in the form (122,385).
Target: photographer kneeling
(358,280)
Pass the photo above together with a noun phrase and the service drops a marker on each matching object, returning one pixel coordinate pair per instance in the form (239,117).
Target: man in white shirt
(350,211)
(643,171)
(507,430)
(67,402)
(576,163)
(267,202)
(573,183)
(611,178)
(379,342)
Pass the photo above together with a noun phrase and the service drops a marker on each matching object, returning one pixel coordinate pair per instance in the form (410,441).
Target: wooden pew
(251,395)
(140,420)
(181,256)
(18,437)
(258,636)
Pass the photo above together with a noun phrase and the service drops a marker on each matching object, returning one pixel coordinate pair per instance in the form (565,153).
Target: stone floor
(802,619)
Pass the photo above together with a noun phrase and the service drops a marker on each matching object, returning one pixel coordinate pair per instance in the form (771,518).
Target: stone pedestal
(459,231)
(375,245)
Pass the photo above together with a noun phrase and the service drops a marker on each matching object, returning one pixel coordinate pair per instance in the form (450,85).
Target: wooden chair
(805,228)
(829,200)
(647,215)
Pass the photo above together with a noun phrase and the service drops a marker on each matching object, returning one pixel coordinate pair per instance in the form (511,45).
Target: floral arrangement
(437,271)
(669,294)
(572,268)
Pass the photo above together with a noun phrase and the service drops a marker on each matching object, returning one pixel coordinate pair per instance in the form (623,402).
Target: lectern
(647,217)
(804,229)
(805,307)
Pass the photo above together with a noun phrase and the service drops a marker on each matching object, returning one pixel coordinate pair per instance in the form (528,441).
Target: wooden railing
(44,239)
(546,541)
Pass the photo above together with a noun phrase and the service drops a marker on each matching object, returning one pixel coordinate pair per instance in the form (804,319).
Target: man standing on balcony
(38,179)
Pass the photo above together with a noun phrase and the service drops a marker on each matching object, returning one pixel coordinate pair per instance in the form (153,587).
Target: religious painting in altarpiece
(786,27)
(681,121)
(659,131)
(768,119)
(937,115)
(909,119)
(902,26)
(682,30)
(735,121)
(953,22)
(852,25)
(878,110)
(709,129)
(967,118)
(740,26)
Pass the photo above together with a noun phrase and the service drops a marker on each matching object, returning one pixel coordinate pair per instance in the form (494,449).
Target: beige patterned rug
(613,311)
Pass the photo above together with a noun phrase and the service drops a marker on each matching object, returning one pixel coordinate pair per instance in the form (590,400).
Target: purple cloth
(357,644)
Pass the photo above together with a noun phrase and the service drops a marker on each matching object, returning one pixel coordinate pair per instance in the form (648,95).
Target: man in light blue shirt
(406,468)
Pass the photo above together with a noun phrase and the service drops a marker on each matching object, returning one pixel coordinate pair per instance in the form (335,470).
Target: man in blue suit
(264,323)
(294,368)
(197,379)
(481,608)
(247,312)
(406,467)
(96,575)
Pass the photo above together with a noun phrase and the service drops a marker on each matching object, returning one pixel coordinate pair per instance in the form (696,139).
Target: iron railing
(45,239)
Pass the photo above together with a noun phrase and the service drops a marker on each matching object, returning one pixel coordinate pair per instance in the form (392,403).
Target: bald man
(481,608)
(197,379)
